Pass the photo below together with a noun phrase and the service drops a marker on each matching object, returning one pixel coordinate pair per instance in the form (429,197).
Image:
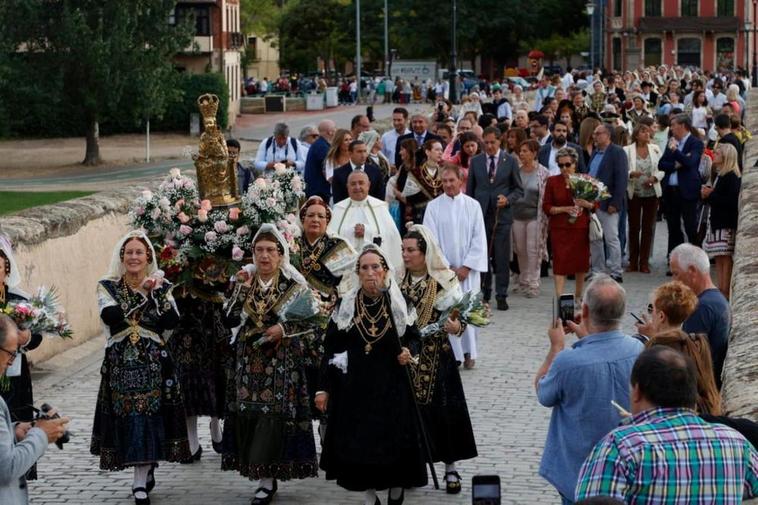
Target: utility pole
(453,71)
(358,47)
(386,40)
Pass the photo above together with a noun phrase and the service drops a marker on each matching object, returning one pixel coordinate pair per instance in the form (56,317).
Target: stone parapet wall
(740,389)
(69,245)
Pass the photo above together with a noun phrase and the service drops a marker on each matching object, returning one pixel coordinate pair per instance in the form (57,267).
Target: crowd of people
(399,227)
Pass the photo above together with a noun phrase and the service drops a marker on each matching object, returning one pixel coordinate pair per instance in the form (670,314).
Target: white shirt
(553,167)
(567,80)
(278,153)
(389,141)
(504,110)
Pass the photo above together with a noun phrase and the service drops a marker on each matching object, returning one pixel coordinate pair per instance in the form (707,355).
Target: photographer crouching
(21,444)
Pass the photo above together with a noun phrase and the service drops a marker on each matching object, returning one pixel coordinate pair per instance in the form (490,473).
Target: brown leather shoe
(631,268)
(645,269)
(469,363)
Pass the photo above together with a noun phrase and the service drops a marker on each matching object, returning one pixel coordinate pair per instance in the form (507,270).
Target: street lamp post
(386,40)
(453,71)
(358,48)
(755,46)
(590,6)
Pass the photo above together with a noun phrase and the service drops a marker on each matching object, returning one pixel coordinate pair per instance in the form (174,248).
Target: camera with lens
(47,412)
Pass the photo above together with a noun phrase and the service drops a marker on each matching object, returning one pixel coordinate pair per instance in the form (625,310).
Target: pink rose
(237,253)
(185,230)
(221,226)
(243,230)
(206,205)
(297,184)
(211,236)
(202,215)
(260,182)
(271,201)
(291,218)
(183,218)
(156,213)
(179,203)
(188,184)
(234,213)
(140,211)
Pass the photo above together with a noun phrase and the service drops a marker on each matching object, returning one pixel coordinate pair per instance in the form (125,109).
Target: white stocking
(395,492)
(194,443)
(215,429)
(266,484)
(140,479)
(370,497)
(450,468)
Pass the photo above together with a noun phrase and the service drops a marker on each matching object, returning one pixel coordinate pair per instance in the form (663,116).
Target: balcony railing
(236,40)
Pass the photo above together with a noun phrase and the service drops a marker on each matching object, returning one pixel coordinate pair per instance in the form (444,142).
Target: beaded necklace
(371,334)
(423,294)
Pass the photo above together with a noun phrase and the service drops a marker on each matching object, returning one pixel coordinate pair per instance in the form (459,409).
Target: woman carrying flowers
(139,417)
(267,430)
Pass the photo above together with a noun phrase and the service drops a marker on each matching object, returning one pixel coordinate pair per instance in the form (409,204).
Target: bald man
(362,219)
(315,182)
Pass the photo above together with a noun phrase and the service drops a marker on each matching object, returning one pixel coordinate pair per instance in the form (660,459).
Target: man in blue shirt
(579,383)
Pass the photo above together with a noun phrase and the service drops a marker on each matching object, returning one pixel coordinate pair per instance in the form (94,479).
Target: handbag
(596,229)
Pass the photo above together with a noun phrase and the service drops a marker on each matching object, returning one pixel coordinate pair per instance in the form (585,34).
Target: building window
(689,8)
(653,8)
(616,53)
(725,8)
(202,21)
(725,53)
(653,52)
(617,4)
(688,52)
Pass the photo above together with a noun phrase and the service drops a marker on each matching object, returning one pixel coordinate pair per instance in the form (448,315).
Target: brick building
(217,43)
(710,34)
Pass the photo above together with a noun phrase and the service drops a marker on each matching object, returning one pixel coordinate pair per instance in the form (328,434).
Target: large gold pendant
(134,334)
(367,348)
(373,329)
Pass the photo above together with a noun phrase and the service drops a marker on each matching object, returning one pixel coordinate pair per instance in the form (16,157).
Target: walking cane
(422,428)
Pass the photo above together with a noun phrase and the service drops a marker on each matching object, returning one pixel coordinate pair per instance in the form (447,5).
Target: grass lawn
(13,201)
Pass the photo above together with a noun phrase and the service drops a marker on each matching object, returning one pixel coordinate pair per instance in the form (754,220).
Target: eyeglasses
(565,165)
(12,354)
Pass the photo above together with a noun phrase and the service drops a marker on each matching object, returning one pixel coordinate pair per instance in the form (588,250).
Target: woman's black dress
(437,382)
(201,350)
(139,416)
(373,439)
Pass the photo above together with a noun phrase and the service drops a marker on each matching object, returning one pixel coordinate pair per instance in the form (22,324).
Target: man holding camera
(579,383)
(21,444)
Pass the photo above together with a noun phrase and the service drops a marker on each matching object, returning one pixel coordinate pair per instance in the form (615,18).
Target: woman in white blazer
(643,190)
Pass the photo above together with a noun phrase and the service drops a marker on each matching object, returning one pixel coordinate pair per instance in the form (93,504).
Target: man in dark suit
(546,155)
(681,185)
(358,161)
(494,182)
(315,182)
(419,132)
(539,129)
(609,165)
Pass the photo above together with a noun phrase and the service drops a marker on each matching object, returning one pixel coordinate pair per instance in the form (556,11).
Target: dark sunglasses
(565,165)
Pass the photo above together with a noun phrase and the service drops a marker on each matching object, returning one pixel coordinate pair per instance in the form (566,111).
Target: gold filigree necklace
(372,333)
(310,262)
(129,296)
(423,294)
(263,297)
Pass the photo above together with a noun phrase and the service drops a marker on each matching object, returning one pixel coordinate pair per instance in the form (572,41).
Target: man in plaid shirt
(665,453)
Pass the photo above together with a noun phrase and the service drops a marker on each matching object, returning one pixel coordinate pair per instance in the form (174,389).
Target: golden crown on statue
(208,105)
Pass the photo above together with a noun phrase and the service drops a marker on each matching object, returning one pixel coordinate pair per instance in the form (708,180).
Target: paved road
(251,127)
(510,425)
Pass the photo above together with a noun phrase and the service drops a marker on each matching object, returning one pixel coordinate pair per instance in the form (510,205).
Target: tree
(114,57)
(560,46)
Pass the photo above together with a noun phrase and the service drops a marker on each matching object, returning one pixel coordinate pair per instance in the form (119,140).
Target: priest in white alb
(457,222)
(362,219)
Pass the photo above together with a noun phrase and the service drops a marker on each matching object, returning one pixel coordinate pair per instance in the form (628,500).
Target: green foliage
(191,86)
(261,17)
(559,46)
(14,201)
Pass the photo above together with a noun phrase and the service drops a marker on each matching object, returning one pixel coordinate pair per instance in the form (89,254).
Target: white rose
(175,172)
(147,194)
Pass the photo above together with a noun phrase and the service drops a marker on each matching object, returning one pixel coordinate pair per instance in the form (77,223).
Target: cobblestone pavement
(510,425)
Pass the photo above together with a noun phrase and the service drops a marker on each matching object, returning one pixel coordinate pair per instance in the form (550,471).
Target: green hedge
(177,116)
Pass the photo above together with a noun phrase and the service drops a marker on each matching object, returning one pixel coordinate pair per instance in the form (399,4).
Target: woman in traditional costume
(430,286)
(267,432)
(323,260)
(16,385)
(424,183)
(139,417)
(373,441)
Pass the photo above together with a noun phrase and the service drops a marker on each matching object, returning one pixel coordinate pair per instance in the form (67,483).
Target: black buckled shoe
(151,477)
(267,499)
(452,486)
(399,501)
(195,457)
(217,447)
(140,501)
